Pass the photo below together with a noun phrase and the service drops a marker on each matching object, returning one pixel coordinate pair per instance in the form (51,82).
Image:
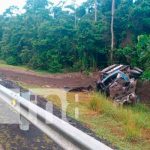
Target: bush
(95,104)
(146,75)
(11,61)
(101,103)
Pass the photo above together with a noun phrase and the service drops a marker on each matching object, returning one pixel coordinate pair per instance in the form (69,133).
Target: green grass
(3,64)
(133,119)
(40,71)
(139,112)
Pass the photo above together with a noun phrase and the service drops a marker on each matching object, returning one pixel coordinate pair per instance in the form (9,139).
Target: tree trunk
(112,31)
(75,14)
(75,24)
(95,10)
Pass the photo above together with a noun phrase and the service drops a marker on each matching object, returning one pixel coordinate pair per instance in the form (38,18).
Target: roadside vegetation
(124,127)
(133,119)
(61,38)
(4,64)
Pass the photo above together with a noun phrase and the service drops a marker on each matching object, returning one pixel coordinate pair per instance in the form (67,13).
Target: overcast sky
(4,4)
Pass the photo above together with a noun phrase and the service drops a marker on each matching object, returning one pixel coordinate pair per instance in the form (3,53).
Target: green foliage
(137,55)
(45,36)
(11,61)
(146,75)
(143,50)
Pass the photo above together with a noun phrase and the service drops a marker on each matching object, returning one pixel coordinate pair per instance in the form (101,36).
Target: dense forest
(60,37)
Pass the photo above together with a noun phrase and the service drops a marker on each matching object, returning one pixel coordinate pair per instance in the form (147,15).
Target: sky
(4,4)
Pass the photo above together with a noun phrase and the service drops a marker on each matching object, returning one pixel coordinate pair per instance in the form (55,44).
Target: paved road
(12,138)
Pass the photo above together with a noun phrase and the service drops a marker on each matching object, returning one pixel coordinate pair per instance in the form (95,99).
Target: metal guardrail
(64,134)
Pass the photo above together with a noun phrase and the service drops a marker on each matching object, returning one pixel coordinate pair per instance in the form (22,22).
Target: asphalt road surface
(12,138)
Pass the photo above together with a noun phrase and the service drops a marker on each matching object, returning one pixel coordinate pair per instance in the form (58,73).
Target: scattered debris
(119,82)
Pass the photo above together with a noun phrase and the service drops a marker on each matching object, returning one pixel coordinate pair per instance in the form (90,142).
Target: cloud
(4,4)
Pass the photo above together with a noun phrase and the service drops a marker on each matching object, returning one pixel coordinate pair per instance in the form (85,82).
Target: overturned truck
(119,83)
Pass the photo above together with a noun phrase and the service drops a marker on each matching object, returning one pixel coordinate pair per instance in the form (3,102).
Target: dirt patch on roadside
(53,81)
(143,90)
(71,80)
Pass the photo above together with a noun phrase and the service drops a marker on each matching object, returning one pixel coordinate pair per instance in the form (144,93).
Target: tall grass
(132,119)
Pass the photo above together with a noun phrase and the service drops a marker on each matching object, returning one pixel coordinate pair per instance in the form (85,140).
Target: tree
(95,10)
(50,37)
(112,31)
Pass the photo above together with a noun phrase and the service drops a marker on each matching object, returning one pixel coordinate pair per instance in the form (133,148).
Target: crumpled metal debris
(119,82)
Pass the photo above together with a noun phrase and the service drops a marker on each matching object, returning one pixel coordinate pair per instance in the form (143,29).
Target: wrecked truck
(119,83)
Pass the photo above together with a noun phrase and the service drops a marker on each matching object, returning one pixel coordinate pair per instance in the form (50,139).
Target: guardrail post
(24,123)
